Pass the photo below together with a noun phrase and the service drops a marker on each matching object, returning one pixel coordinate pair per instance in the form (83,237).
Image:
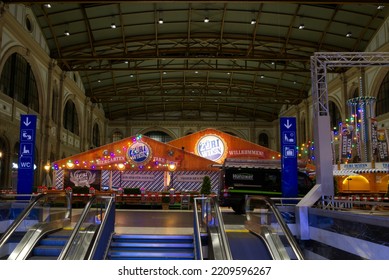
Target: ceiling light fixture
(67,33)
(349,34)
(160,21)
(113,25)
(206,20)
(380,7)
(253,21)
(301,26)
(47,5)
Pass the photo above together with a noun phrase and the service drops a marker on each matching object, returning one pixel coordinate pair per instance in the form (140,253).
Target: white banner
(188,270)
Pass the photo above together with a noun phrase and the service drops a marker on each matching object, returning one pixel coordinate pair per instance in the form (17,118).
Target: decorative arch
(233,132)
(165,134)
(96,140)
(263,139)
(335,113)
(37,79)
(189,132)
(117,135)
(70,117)
(380,90)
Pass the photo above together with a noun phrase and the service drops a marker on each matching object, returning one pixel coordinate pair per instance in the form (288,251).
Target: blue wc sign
(26,154)
(288,157)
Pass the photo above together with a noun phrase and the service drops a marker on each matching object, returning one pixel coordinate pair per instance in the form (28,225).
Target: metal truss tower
(320,63)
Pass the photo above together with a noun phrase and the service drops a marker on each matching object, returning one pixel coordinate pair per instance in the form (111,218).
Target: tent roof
(135,153)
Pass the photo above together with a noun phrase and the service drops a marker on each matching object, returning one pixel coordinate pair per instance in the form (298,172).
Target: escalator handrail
(225,247)
(196,232)
(289,236)
(109,208)
(76,229)
(15,224)
(222,231)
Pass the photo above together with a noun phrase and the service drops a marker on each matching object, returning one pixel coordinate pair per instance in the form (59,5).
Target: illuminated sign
(139,153)
(211,147)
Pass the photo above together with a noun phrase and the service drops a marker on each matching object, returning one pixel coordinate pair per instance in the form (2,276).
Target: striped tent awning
(349,172)
(370,170)
(343,172)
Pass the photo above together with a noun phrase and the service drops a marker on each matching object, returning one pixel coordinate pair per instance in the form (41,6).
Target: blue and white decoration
(211,147)
(139,153)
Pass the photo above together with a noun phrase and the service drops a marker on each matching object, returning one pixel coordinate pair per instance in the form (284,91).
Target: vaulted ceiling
(244,64)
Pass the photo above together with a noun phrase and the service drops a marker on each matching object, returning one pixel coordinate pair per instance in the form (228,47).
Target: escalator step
(152,245)
(41,258)
(150,255)
(47,251)
(54,241)
(153,238)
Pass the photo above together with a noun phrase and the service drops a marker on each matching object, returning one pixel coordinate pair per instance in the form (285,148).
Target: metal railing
(35,202)
(267,204)
(210,222)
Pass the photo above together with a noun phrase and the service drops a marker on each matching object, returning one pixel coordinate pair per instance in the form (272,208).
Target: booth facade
(153,166)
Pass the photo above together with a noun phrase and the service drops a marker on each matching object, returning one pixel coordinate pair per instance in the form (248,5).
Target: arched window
(335,116)
(116,136)
(263,140)
(382,103)
(70,118)
(18,82)
(96,135)
(159,136)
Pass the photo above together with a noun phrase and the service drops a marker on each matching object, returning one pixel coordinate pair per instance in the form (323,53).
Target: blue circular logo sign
(211,147)
(139,153)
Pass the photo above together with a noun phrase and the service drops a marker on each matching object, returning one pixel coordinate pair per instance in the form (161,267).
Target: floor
(166,221)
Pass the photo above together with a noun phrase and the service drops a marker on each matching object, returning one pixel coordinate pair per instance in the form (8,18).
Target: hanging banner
(373,135)
(346,141)
(83,178)
(382,145)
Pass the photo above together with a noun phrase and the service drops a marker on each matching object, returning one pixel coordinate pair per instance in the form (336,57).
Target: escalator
(245,245)
(53,234)
(151,247)
(50,246)
(263,236)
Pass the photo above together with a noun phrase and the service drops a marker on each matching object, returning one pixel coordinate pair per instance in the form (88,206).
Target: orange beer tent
(135,162)
(217,146)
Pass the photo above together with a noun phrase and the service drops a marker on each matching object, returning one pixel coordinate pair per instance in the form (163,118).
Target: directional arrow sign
(26,121)
(288,157)
(26,154)
(287,123)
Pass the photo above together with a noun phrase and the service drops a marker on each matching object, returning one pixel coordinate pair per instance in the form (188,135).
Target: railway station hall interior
(194,130)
